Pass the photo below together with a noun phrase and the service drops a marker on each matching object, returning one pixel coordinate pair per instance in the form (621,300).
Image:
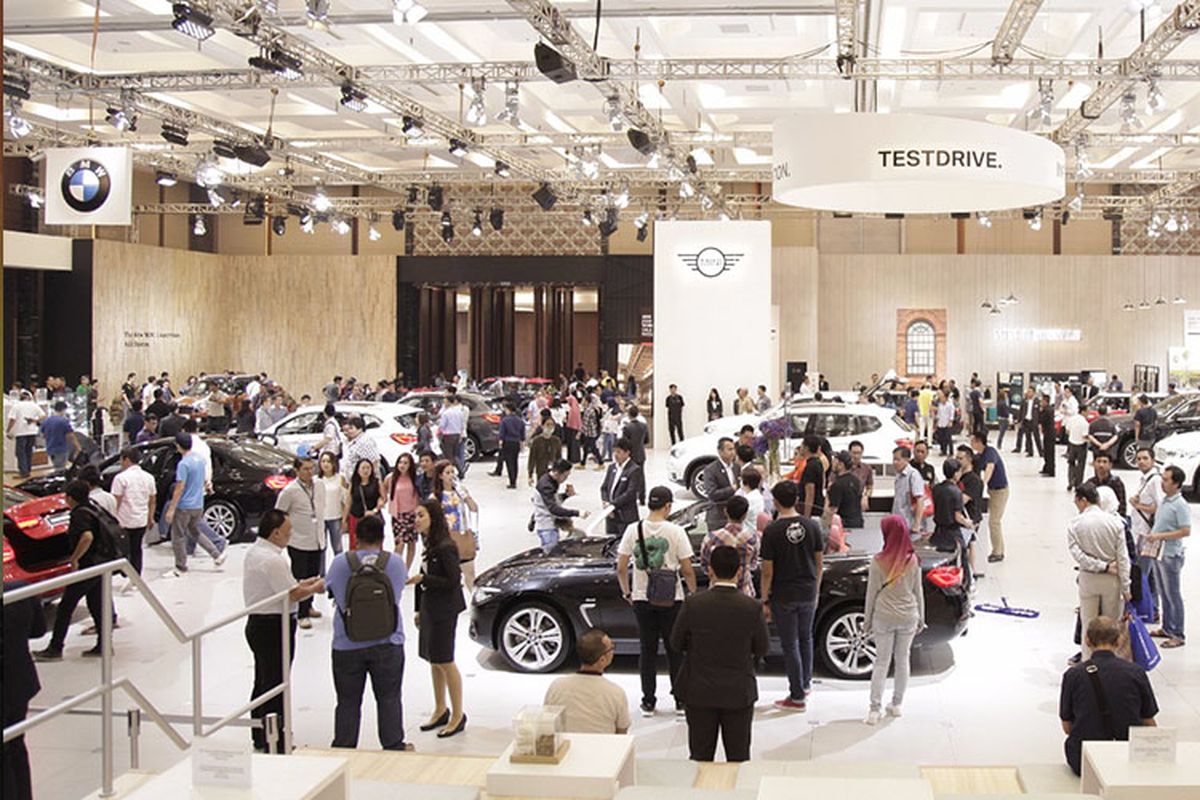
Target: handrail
(107,685)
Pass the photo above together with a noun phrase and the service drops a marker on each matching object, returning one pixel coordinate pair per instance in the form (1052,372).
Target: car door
(838,428)
(1186,418)
(299,429)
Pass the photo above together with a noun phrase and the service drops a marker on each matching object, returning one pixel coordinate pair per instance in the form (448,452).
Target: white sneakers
(893,711)
(220,559)
(874,717)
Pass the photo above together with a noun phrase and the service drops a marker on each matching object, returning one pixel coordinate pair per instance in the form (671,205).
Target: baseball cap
(844,457)
(659,497)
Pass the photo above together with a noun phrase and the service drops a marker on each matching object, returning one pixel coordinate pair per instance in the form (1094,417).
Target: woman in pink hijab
(895,612)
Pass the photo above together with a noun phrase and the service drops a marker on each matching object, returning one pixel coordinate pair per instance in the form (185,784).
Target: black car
(514,389)
(532,606)
(247,477)
(1176,414)
(483,420)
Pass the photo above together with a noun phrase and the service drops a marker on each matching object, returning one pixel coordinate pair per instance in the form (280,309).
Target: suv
(391,425)
(483,420)
(879,429)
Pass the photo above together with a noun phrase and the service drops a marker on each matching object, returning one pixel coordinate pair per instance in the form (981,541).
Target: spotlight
(1144,305)
(512,102)
(279,225)
(641,220)
(407,12)
(1065,217)
(216,197)
(199,226)
(496,218)
(1179,300)
(398,219)
(17,125)
(477,110)
(16,86)
(477,225)
(503,170)
(690,162)
(411,127)
(256,211)
(621,198)
(608,225)
(1128,113)
(984,220)
(612,110)
(435,197)
(1076,203)
(1160,301)
(321,202)
(545,196)
(995,310)
(413,194)
(448,233)
(166,178)
(587,218)
(1035,223)
(641,141)
(1083,167)
(642,233)
(123,119)
(686,189)
(373,233)
(1172,224)
(1043,112)
(447,220)
(253,153)
(208,173)
(317,14)
(1155,102)
(224,149)
(353,98)
(986,305)
(553,64)
(279,62)
(1011,300)
(193,22)
(35,199)
(458,148)
(340,225)
(174,133)
(1185,224)
(306,222)
(1128,307)
(707,203)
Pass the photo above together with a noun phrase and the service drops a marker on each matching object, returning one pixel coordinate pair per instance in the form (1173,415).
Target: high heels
(437,723)
(457,729)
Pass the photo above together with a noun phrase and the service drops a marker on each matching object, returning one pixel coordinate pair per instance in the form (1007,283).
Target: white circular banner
(880,163)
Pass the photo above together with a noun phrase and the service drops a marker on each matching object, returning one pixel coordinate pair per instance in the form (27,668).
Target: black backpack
(370,612)
(109,540)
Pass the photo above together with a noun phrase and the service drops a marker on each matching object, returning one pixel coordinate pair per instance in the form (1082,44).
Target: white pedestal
(595,766)
(845,788)
(277,777)
(1106,771)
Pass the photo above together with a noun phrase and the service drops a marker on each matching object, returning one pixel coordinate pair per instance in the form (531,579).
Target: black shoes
(48,654)
(457,729)
(992,559)
(439,722)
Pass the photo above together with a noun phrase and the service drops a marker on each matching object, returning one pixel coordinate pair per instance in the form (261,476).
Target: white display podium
(774,788)
(596,765)
(1107,771)
(277,777)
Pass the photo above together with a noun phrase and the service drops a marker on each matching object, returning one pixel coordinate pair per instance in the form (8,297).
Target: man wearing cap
(186,507)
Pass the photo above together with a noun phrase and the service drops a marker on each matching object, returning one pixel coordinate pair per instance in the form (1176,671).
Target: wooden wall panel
(300,318)
(794,272)
(587,340)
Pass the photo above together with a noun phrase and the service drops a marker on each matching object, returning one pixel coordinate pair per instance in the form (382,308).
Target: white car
(393,426)
(879,429)
(1183,451)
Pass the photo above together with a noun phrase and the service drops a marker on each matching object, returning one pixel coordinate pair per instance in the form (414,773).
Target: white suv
(1182,450)
(879,429)
(393,426)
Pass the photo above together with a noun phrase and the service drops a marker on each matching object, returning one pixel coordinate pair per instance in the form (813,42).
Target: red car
(35,536)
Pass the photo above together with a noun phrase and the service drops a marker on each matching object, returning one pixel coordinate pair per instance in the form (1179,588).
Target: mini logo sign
(85,185)
(710,262)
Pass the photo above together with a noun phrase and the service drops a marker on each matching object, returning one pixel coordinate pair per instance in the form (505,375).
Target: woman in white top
(895,612)
(337,497)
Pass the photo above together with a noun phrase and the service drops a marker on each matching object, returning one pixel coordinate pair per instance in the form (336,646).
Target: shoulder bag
(464,540)
(1093,673)
(660,583)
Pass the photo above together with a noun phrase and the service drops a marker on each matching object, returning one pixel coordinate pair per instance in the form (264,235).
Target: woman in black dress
(439,601)
(366,497)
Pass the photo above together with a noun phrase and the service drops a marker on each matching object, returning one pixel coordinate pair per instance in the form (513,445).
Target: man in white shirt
(1076,427)
(1144,502)
(136,495)
(24,416)
(591,702)
(1096,541)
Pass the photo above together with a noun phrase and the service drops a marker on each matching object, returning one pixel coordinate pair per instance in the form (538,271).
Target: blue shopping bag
(1143,604)
(1141,647)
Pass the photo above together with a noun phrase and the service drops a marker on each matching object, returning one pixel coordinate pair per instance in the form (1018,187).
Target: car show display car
(532,607)
(393,426)
(35,536)
(1181,450)
(247,477)
(513,389)
(1177,413)
(483,420)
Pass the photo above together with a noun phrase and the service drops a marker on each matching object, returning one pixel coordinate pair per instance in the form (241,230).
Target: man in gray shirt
(1096,540)
(908,501)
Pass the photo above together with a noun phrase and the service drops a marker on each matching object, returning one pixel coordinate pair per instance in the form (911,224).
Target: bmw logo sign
(85,185)
(710,262)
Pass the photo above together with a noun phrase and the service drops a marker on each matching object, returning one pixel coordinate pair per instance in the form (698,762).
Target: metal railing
(108,684)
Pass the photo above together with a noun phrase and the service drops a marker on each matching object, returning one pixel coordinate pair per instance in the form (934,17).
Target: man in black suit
(720,480)
(1045,417)
(23,621)
(722,633)
(623,484)
(1027,422)
(638,436)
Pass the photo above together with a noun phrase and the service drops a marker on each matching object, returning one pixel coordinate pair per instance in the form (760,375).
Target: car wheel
(534,638)
(225,518)
(695,482)
(843,645)
(1127,458)
(471,447)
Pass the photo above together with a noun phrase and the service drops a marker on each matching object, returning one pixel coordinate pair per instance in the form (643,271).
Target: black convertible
(532,606)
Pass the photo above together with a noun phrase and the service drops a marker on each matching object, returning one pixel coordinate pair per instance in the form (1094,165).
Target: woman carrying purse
(365,497)
(457,503)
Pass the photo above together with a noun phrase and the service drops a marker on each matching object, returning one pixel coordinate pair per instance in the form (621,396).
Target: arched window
(919,349)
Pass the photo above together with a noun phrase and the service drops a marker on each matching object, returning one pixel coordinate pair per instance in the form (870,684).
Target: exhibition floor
(988,698)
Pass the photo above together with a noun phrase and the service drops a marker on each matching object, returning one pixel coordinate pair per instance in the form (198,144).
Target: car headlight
(483,594)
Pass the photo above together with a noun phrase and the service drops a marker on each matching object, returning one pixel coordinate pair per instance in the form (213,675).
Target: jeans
(892,639)
(1003,429)
(333,532)
(1147,565)
(263,636)
(25,454)
(655,623)
(185,529)
(548,537)
(72,594)
(206,530)
(58,460)
(1167,571)
(794,623)
(385,664)
(450,449)
(305,564)
(609,440)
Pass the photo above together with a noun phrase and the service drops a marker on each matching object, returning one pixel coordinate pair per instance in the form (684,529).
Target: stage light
(458,148)
(166,178)
(984,220)
(306,223)
(502,169)
(586,162)
(686,189)
(1128,307)
(496,218)
(477,110)
(642,233)
(413,194)
(477,224)
(192,21)
(1083,166)
(986,305)
(224,149)
(448,233)
(995,310)
(436,198)
(321,202)
(353,98)
(279,62)
(1076,203)
(373,233)
(723,213)
(608,226)
(256,211)
(123,119)
(1172,224)
(621,198)
(35,199)
(1043,112)
(398,219)
(216,197)
(16,86)
(199,226)
(447,220)
(408,12)
(553,64)
(1185,223)
(16,124)
(279,225)
(587,218)
(1155,102)
(174,133)
(340,225)
(1144,305)
(317,14)
(411,127)
(612,110)
(1179,300)
(641,141)
(512,102)
(1128,113)
(545,196)
(252,153)
(1035,221)
(1161,301)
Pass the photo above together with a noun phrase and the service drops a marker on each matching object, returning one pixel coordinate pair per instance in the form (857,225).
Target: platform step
(752,772)
(1048,778)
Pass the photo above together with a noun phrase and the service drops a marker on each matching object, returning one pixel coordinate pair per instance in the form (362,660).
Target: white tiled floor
(990,697)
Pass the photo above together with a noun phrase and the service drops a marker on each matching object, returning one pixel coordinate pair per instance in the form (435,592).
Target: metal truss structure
(1136,241)
(1013,29)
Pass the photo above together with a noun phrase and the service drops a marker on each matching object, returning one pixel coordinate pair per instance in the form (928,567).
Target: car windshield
(1170,404)
(14,497)
(408,420)
(257,454)
(899,422)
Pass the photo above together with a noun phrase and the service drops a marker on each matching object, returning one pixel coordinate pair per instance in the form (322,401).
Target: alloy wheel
(849,651)
(533,639)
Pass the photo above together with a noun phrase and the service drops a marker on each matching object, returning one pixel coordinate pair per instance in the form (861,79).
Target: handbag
(1143,650)
(1143,600)
(660,583)
(466,542)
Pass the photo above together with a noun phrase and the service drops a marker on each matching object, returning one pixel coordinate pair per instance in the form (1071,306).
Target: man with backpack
(368,637)
(93,538)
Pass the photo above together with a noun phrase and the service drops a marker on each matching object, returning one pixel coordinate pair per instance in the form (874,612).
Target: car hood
(44,485)
(566,555)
